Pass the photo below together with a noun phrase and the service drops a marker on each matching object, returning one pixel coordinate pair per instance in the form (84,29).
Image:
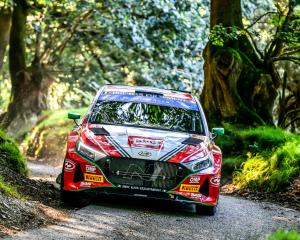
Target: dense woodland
(241,58)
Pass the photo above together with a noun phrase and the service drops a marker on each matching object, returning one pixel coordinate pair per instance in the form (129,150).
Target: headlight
(199,165)
(88,152)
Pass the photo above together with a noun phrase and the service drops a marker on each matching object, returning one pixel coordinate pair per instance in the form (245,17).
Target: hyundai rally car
(143,142)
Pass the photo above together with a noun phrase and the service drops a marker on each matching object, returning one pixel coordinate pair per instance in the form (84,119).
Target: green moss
(262,158)
(265,137)
(271,170)
(239,142)
(3,137)
(10,155)
(8,189)
(284,235)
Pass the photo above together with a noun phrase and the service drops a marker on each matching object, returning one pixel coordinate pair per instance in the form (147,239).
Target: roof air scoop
(192,141)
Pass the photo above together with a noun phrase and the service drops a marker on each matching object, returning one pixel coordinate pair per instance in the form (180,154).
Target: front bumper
(80,174)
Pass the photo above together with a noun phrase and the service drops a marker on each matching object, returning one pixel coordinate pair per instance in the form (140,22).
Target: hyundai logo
(145,154)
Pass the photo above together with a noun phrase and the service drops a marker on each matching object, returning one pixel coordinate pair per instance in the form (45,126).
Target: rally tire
(73,199)
(206,210)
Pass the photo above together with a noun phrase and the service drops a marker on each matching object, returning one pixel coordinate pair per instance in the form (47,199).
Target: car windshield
(146,115)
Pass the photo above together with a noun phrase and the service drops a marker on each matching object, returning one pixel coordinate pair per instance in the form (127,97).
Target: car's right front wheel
(74,199)
(206,210)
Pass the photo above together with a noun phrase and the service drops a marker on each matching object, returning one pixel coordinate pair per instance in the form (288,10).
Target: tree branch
(292,121)
(291,51)
(258,19)
(73,29)
(287,114)
(276,44)
(285,58)
(260,54)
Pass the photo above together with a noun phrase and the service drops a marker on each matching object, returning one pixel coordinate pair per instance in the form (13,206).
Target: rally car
(143,142)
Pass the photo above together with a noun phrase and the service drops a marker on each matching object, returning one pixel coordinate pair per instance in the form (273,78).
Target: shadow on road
(143,204)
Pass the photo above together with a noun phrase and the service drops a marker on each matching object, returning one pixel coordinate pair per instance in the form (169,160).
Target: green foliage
(6,4)
(264,138)
(270,167)
(8,189)
(239,141)
(284,235)
(149,42)
(219,34)
(10,155)
(231,164)
(291,33)
(260,158)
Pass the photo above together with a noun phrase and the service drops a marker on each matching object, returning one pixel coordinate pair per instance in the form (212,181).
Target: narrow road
(119,218)
(40,171)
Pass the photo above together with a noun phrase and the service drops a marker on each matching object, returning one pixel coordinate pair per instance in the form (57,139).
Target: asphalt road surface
(121,218)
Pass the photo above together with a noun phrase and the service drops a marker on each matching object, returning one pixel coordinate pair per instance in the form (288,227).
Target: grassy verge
(284,235)
(8,189)
(261,158)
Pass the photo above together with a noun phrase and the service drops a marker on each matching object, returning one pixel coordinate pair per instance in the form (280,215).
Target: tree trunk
(29,85)
(5,22)
(236,88)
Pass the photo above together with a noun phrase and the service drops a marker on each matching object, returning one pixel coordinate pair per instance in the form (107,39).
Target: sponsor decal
(145,174)
(69,165)
(145,154)
(196,195)
(171,195)
(195,179)
(71,150)
(95,126)
(85,184)
(217,158)
(141,188)
(93,178)
(215,181)
(145,142)
(189,188)
(90,168)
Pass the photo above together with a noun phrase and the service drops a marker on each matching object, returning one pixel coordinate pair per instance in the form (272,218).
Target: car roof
(142,90)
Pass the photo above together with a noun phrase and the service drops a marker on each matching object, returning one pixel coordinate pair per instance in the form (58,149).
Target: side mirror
(74,116)
(217,131)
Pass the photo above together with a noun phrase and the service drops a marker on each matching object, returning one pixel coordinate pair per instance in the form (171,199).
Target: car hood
(145,143)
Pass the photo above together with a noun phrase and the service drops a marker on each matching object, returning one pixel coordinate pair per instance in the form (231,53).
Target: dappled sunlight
(139,219)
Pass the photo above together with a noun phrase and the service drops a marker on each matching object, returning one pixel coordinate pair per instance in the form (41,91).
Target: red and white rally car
(144,142)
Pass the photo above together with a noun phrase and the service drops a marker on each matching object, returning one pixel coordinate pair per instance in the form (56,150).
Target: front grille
(143,173)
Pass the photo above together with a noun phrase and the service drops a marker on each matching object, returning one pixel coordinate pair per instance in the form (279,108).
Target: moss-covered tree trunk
(29,84)
(237,87)
(5,20)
